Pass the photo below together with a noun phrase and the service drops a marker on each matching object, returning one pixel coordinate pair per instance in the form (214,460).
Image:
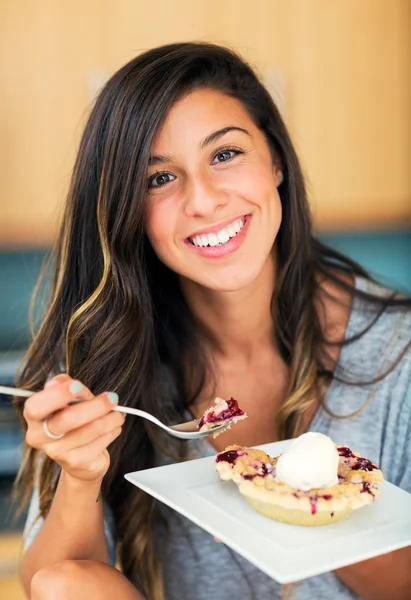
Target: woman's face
(213,206)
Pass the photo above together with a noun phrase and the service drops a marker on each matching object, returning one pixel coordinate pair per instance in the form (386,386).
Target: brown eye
(160,180)
(225,155)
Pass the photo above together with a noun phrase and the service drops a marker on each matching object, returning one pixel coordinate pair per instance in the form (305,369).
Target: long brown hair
(116,318)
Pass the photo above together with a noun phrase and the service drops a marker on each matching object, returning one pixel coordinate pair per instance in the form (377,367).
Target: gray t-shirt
(195,567)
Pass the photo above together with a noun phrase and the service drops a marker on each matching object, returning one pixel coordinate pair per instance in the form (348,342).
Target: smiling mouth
(221,237)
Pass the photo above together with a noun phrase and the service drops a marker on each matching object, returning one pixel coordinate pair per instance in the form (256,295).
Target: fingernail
(75,387)
(113,397)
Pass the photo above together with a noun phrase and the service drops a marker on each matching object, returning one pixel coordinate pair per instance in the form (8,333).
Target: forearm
(73,529)
(386,577)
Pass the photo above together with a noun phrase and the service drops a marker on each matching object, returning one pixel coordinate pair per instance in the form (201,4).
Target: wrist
(77,485)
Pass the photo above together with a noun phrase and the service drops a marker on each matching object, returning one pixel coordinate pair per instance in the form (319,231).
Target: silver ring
(48,432)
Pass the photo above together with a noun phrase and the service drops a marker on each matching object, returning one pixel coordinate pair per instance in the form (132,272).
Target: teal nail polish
(113,397)
(76,387)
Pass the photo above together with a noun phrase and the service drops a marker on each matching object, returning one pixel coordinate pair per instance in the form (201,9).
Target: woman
(187,268)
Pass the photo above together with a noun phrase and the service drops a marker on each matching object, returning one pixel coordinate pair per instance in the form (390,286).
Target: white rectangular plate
(286,553)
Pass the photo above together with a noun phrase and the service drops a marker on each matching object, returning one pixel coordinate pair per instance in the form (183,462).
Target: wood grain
(345,68)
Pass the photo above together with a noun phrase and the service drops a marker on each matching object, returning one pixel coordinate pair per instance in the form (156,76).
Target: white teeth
(212,239)
(221,237)
(237,225)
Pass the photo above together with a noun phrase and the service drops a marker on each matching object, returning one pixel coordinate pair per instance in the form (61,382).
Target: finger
(60,378)
(83,436)
(77,415)
(72,419)
(83,457)
(54,398)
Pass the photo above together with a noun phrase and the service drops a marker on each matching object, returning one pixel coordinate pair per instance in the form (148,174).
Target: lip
(223,250)
(214,228)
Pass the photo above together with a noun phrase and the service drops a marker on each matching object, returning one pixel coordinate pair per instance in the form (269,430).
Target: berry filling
(358,463)
(261,470)
(346,452)
(313,498)
(233,411)
(363,464)
(230,456)
(366,487)
(313,501)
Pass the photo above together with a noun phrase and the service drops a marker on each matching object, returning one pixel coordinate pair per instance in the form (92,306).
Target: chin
(230,282)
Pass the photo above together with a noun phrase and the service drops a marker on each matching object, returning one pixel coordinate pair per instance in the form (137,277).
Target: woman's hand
(87,427)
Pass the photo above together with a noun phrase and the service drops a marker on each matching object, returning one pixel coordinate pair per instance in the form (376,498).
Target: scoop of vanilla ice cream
(311,461)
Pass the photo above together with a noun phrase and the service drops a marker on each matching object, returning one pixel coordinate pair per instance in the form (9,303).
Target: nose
(204,197)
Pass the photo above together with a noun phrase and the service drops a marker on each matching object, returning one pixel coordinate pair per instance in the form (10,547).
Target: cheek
(255,181)
(160,227)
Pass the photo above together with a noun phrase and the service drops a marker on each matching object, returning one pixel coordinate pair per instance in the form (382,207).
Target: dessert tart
(254,472)
(222,411)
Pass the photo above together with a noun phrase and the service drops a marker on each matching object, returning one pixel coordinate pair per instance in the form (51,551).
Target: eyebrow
(217,134)
(162,158)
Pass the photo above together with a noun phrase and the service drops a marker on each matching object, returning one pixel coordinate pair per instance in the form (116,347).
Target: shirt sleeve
(34,523)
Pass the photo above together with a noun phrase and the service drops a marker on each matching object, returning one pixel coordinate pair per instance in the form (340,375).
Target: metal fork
(185,431)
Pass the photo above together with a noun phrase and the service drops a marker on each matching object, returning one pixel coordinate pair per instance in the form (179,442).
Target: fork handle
(123,409)
(130,411)
(10,391)
(140,413)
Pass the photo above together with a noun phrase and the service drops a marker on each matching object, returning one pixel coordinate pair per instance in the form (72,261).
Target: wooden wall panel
(345,70)
(47,52)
